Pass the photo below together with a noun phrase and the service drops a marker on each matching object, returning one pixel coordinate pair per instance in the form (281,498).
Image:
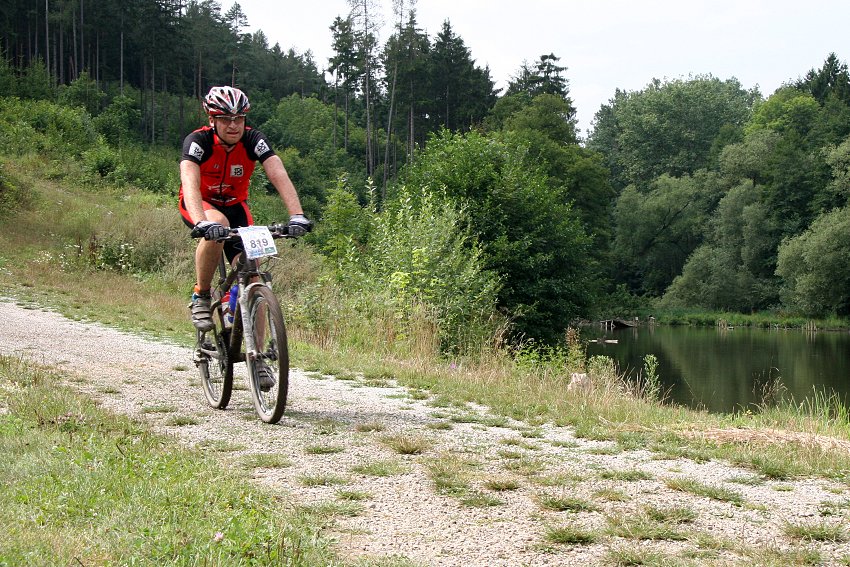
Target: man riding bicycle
(215,171)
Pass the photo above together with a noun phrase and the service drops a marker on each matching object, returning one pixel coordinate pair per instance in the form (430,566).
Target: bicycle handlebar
(277,231)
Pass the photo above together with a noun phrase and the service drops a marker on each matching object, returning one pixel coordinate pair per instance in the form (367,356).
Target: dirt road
(334,438)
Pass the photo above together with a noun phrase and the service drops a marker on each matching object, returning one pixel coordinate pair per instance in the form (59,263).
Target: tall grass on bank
(83,487)
(762,320)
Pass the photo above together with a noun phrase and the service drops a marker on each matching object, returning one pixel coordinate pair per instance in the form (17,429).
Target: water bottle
(232,299)
(228,305)
(225,309)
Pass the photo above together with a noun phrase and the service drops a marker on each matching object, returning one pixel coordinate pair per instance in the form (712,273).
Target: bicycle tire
(215,364)
(269,336)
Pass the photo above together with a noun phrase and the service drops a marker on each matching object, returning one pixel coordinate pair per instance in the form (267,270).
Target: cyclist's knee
(217,216)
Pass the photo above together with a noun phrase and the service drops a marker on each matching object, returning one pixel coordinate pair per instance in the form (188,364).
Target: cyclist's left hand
(299,225)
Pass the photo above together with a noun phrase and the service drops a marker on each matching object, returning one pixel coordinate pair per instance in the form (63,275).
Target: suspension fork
(250,347)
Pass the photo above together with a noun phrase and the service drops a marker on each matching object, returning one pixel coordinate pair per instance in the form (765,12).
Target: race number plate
(258,241)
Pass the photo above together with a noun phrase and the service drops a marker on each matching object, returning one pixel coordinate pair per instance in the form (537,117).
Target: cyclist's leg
(207,256)
(237,215)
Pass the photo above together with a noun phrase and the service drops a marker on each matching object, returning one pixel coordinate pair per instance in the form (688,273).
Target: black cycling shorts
(237,215)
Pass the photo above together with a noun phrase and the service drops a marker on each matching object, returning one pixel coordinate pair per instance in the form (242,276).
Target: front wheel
(269,368)
(215,364)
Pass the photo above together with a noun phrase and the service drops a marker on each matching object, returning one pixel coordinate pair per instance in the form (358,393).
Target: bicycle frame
(244,271)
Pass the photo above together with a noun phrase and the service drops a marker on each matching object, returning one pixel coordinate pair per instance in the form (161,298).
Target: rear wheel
(269,368)
(214,363)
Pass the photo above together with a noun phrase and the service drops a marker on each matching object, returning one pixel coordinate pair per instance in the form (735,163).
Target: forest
(428,182)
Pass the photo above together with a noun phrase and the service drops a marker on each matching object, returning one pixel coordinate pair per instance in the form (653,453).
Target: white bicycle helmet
(226,101)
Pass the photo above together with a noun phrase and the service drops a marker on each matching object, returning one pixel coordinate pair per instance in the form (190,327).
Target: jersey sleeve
(196,147)
(258,145)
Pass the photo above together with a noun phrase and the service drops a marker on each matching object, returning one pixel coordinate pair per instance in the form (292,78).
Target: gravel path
(334,439)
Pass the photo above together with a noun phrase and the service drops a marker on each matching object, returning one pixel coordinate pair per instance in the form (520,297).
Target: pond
(722,370)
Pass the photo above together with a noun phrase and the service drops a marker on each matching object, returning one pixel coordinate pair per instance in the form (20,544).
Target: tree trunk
(347,111)
(336,104)
(82,43)
(61,53)
(75,68)
(47,34)
(121,65)
(412,139)
(389,131)
(153,101)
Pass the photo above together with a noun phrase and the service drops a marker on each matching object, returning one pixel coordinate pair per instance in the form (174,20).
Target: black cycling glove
(298,225)
(210,230)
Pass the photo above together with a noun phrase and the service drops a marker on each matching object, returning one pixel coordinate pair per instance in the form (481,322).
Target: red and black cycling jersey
(225,176)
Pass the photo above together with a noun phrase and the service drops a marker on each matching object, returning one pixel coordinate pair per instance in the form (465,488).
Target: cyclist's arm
(280,179)
(190,180)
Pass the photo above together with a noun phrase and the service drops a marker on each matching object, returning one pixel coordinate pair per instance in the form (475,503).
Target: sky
(604,44)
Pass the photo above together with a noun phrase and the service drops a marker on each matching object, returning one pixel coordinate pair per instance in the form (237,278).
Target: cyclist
(215,171)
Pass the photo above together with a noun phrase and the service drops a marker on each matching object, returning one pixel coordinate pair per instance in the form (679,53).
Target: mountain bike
(245,310)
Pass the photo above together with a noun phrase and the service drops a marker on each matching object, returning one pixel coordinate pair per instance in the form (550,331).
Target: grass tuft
(831,532)
(571,535)
(407,444)
(706,490)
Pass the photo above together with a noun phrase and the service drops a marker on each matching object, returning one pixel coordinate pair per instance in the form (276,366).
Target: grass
(370,427)
(353,495)
(181,420)
(631,557)
(631,475)
(671,515)
(265,461)
(518,442)
(571,535)
(822,531)
(501,484)
(450,474)
(322,479)
(477,499)
(84,487)
(380,468)
(327,426)
(407,444)
(159,408)
(643,527)
(611,495)
(708,491)
(220,446)
(558,479)
(323,449)
(564,503)
(525,466)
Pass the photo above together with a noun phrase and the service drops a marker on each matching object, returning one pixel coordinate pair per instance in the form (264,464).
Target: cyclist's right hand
(298,225)
(210,230)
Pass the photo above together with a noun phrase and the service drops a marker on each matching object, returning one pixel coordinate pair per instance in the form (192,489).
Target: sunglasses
(230,118)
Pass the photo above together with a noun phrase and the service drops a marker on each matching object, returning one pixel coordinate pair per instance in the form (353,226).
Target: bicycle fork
(247,331)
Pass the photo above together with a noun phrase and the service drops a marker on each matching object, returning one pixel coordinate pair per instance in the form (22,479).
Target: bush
(12,195)
(100,160)
(413,268)
(28,125)
(422,254)
(119,121)
(528,233)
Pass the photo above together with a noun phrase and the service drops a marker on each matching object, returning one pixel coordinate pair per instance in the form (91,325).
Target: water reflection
(721,370)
